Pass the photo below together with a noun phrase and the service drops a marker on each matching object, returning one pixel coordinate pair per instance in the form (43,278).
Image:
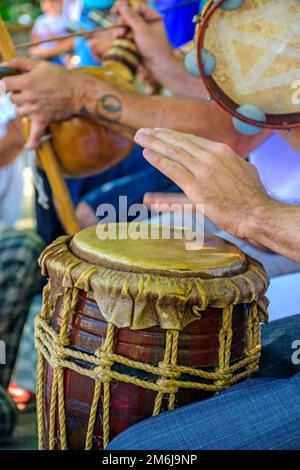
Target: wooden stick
(45,153)
(81,33)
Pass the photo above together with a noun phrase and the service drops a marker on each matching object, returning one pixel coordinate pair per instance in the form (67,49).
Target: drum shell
(130,404)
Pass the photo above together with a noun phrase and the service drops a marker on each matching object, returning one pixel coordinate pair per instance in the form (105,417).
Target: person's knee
(8,415)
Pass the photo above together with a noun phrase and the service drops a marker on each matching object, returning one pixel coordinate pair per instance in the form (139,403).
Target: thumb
(37,129)
(23,64)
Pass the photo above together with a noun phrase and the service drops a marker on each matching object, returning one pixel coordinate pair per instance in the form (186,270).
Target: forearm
(104,102)
(11,145)
(173,76)
(60,48)
(277,226)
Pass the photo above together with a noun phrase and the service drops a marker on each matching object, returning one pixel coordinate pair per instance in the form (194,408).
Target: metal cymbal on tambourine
(248,54)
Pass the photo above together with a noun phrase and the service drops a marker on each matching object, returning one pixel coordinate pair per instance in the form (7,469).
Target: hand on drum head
(43,93)
(209,173)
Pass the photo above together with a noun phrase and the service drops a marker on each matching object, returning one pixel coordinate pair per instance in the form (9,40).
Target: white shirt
(47,26)
(11,194)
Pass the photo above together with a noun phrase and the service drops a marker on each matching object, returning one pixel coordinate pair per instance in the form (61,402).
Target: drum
(249,59)
(133,327)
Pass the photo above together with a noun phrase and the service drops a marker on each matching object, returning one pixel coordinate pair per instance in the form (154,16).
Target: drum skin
(129,404)
(250,68)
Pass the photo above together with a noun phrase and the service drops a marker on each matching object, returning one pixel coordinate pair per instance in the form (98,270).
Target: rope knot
(104,359)
(167,386)
(168,371)
(102,374)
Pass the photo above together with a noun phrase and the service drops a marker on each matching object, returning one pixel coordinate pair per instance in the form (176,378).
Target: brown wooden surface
(198,348)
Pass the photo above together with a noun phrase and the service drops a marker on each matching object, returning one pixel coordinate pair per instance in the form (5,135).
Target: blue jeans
(262,413)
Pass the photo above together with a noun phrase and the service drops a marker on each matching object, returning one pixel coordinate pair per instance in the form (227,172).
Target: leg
(19,281)
(7,415)
(260,413)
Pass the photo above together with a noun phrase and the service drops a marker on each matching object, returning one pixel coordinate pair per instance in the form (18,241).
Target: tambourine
(248,54)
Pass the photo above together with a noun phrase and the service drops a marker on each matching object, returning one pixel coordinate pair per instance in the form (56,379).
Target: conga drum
(249,60)
(133,327)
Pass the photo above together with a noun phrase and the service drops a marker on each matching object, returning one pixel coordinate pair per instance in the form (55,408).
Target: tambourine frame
(273,121)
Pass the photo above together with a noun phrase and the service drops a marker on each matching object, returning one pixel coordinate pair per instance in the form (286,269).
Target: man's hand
(44,92)
(149,36)
(164,201)
(209,173)
(101,41)
(85,215)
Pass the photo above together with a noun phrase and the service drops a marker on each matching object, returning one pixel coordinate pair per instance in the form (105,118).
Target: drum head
(169,256)
(249,55)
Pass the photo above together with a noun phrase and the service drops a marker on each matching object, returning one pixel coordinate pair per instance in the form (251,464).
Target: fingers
(23,64)
(165,199)
(131,18)
(37,130)
(173,170)
(205,144)
(171,148)
(13,84)
(147,12)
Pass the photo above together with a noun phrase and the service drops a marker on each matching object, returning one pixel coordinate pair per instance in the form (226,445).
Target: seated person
(11,177)
(19,275)
(51,23)
(188,110)
(261,413)
(19,282)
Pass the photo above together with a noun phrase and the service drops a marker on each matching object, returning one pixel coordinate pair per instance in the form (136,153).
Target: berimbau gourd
(84,147)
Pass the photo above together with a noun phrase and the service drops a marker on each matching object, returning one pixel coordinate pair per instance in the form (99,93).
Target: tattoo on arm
(108,108)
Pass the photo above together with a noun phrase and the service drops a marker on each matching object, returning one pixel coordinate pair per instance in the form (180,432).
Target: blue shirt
(178,21)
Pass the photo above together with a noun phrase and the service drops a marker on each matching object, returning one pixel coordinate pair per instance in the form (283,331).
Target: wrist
(164,65)
(259,219)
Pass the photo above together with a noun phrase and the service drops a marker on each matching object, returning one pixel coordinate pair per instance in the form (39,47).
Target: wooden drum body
(130,328)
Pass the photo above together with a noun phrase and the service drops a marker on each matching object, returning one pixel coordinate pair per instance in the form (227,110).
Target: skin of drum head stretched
(131,328)
(249,56)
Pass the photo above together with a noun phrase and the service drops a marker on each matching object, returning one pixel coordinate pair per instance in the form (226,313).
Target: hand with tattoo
(44,92)
(47,93)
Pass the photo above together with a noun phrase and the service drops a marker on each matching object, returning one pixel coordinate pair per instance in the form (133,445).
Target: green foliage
(19,11)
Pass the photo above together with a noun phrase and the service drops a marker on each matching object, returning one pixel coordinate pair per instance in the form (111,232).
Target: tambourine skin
(272,121)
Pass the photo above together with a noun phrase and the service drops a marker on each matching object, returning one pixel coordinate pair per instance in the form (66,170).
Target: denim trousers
(262,413)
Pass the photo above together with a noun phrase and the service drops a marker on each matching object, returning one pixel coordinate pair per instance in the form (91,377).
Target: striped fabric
(19,281)
(7,415)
